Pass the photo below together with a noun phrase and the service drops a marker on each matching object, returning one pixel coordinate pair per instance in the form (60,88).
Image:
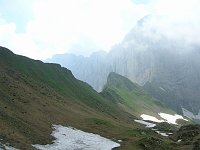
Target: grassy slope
(132,97)
(35,95)
(135,100)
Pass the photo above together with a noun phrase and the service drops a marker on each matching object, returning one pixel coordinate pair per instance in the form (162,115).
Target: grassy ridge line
(34,95)
(132,96)
(55,76)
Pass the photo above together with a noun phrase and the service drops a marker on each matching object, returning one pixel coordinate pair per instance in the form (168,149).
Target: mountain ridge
(35,95)
(132,96)
(165,63)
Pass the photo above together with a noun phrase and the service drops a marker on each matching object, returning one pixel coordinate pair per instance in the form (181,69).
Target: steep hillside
(132,97)
(35,95)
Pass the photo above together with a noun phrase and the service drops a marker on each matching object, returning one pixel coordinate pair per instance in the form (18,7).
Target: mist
(52,27)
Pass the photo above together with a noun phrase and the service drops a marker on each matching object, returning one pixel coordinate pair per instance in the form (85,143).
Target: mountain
(34,95)
(88,69)
(131,97)
(167,67)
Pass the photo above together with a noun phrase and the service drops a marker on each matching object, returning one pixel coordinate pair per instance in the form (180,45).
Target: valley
(35,95)
(99,75)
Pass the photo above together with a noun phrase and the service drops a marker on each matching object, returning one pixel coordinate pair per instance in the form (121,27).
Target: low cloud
(58,26)
(85,26)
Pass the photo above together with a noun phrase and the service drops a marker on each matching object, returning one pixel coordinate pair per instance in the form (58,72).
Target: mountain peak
(5,51)
(120,81)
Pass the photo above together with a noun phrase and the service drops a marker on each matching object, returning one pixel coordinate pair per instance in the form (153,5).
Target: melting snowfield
(171,119)
(68,138)
(151,118)
(151,125)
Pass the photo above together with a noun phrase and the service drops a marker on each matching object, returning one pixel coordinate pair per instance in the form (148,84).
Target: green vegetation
(132,96)
(35,95)
(155,144)
(188,137)
(166,127)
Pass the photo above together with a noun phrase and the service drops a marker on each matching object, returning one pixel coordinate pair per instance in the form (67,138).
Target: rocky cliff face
(168,68)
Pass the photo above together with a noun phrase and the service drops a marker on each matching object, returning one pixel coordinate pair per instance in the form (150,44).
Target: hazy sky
(42,28)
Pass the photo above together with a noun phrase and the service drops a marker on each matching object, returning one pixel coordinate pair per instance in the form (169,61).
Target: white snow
(151,118)
(6,147)
(162,133)
(148,125)
(151,125)
(179,140)
(68,138)
(171,119)
(119,141)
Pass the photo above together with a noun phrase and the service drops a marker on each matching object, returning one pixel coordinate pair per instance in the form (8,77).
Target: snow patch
(162,133)
(151,125)
(151,118)
(68,138)
(119,141)
(6,147)
(148,125)
(171,119)
(179,140)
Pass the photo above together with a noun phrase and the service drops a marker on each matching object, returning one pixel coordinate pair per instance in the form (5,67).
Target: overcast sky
(41,28)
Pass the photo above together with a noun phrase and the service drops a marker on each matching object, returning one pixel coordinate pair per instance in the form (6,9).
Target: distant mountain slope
(132,97)
(146,56)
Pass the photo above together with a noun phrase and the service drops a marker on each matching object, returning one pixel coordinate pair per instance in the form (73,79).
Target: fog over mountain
(156,54)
